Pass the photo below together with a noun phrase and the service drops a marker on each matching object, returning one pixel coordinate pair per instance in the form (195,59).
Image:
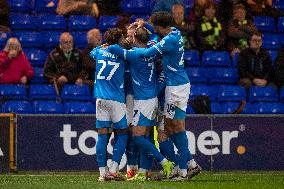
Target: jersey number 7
(104,64)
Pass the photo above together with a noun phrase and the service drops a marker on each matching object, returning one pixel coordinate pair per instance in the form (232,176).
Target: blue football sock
(131,152)
(167,149)
(181,142)
(119,147)
(146,158)
(101,150)
(142,143)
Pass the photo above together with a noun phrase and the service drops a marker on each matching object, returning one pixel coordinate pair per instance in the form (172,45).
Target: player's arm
(117,50)
(94,53)
(124,54)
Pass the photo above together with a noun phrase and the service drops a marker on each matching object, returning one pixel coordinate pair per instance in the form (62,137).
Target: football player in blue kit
(110,104)
(142,71)
(176,92)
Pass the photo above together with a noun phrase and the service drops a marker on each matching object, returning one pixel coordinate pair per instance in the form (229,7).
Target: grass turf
(89,180)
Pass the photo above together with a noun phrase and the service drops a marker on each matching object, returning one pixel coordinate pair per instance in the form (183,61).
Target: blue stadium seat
(196,74)
(3,38)
(210,91)
(188,4)
(265,94)
(23,107)
(23,6)
(264,23)
(269,108)
(79,108)
(231,93)
(29,39)
(47,107)
(136,6)
(281,23)
(75,92)
(279,4)
(23,22)
(189,110)
(281,94)
(106,22)
(10,91)
(235,60)
(52,22)
(216,58)
(273,55)
(42,91)
(216,108)
(272,41)
(222,75)
(80,39)
(36,57)
(82,23)
(135,16)
(230,107)
(41,6)
(51,39)
(38,77)
(192,58)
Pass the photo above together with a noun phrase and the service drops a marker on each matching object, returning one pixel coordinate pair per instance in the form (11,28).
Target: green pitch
(80,180)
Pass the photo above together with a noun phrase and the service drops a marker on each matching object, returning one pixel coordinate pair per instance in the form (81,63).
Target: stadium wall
(218,142)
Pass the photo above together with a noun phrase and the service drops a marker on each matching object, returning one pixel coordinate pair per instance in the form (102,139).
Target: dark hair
(209,4)
(255,33)
(113,35)
(142,35)
(162,18)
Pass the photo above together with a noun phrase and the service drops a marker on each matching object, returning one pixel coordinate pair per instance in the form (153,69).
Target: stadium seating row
(48,107)
(223,93)
(79,107)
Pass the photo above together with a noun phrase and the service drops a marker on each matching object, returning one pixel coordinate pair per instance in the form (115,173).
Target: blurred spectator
(14,66)
(64,63)
(105,7)
(279,68)
(74,7)
(210,34)
(197,11)
(239,30)
(254,64)
(94,38)
(225,10)
(4,13)
(183,25)
(165,5)
(264,8)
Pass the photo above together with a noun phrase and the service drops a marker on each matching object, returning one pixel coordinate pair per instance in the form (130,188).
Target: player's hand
(62,80)
(24,80)
(79,81)
(12,53)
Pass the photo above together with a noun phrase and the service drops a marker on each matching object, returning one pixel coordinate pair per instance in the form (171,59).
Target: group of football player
(142,91)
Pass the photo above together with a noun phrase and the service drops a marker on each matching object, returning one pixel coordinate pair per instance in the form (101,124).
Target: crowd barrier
(7,145)
(217,142)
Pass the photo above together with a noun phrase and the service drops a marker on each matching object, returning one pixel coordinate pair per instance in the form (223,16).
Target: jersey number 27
(104,64)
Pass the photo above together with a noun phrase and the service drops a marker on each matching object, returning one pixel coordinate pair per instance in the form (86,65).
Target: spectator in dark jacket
(239,31)
(14,66)
(185,27)
(94,38)
(64,63)
(279,68)
(254,64)
(210,32)
(4,12)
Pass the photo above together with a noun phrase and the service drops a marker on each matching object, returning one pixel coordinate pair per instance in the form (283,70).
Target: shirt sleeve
(94,53)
